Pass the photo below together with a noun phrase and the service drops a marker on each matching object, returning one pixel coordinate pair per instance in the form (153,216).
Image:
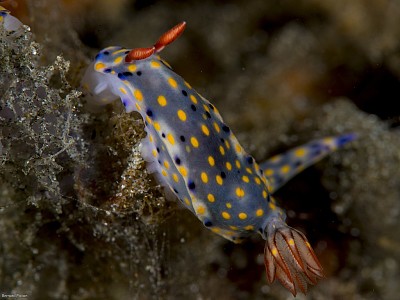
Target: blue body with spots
(194,154)
(9,23)
(192,151)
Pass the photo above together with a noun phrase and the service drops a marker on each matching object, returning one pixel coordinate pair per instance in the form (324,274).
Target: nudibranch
(10,24)
(195,155)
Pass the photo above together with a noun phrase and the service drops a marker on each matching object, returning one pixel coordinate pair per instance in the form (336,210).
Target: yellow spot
(175,177)
(272,206)
(193,99)
(233,227)
(216,230)
(122,90)
(204,177)
(148,119)
(328,141)
(201,210)
(216,126)
(138,95)
(181,115)
(239,192)
(119,51)
(164,173)
(219,179)
(155,64)
(118,60)
(154,152)
(210,197)
(170,138)
(228,205)
(228,146)
(242,216)
(211,161)
(166,164)
(257,180)
(205,130)
(269,172)
(156,126)
(204,116)
(132,68)
(237,163)
(138,106)
(248,170)
(245,178)
(238,148)
(249,227)
(187,148)
(183,171)
(264,179)
(161,100)
(172,82)
(300,152)
(274,251)
(194,142)
(187,84)
(186,201)
(206,108)
(264,194)
(222,150)
(225,215)
(99,66)
(228,166)
(285,169)
(151,138)
(275,158)
(291,242)
(259,212)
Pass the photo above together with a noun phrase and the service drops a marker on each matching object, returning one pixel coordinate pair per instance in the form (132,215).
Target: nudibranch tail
(279,169)
(289,258)
(166,39)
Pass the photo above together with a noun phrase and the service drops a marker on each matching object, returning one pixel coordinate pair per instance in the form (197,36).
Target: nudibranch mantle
(195,155)
(192,151)
(9,23)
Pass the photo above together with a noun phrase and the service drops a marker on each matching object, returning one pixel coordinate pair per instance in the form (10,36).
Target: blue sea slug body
(195,155)
(9,23)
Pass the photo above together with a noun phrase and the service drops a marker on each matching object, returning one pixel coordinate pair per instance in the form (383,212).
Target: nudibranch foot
(288,257)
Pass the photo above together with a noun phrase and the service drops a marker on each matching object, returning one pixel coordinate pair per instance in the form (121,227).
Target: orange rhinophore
(166,39)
